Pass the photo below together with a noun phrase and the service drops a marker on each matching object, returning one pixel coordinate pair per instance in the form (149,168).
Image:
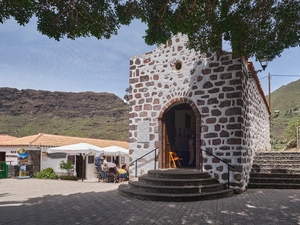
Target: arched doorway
(179,122)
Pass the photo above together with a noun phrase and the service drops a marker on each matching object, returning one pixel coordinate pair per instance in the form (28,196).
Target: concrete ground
(35,201)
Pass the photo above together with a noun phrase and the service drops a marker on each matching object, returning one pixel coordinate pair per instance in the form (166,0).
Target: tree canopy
(256,28)
(290,132)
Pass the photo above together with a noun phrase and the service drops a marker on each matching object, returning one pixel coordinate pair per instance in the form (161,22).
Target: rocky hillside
(85,114)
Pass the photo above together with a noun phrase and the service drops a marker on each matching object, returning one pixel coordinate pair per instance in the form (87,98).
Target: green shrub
(47,173)
(66,165)
(68,178)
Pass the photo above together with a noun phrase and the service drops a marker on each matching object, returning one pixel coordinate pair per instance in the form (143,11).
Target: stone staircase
(275,170)
(175,185)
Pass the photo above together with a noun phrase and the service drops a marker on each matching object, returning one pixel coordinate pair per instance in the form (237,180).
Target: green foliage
(97,127)
(68,165)
(284,99)
(290,131)
(47,173)
(66,177)
(254,28)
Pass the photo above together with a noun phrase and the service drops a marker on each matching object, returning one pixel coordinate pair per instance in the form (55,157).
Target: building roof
(51,140)
(5,137)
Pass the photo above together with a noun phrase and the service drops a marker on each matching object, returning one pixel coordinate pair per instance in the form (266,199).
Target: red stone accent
(233,111)
(207,85)
(155,77)
(138,108)
(199,78)
(214,90)
(137,61)
(227,62)
(138,95)
(214,64)
(212,101)
(226,76)
(211,120)
(216,141)
(138,85)
(235,67)
(234,141)
(224,133)
(220,69)
(215,160)
(133,80)
(149,84)
(141,101)
(236,126)
(234,95)
(146,60)
(147,107)
(206,71)
(156,101)
(144,78)
(133,115)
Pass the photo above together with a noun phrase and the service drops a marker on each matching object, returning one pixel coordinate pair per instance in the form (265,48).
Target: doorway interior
(179,124)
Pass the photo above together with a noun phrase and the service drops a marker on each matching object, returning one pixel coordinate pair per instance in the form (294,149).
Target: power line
(285,75)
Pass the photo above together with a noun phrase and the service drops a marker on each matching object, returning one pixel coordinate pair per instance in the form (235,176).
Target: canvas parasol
(81,148)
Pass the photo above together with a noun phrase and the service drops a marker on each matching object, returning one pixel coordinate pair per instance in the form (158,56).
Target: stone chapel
(176,92)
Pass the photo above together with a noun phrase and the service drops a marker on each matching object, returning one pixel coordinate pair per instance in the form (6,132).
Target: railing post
(135,161)
(228,176)
(155,159)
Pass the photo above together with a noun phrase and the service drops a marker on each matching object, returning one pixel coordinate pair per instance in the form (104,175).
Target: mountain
(84,114)
(286,100)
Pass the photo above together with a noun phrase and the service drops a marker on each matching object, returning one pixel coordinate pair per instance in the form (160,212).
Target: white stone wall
(227,99)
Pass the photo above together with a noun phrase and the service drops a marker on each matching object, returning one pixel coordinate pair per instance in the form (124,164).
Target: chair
(173,158)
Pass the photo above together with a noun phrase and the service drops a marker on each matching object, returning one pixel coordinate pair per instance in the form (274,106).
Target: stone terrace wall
(221,91)
(255,126)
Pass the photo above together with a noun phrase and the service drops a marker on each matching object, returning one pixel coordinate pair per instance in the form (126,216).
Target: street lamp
(263,63)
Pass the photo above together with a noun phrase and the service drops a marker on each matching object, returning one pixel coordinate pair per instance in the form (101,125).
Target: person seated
(125,167)
(122,173)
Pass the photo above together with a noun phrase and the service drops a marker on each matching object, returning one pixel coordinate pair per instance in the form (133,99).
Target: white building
(37,145)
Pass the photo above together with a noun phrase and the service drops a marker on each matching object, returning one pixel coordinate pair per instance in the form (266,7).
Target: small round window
(178,65)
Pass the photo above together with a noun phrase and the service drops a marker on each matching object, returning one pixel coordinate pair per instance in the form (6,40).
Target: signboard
(143,131)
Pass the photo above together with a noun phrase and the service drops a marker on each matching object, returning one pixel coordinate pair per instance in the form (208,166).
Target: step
(273,186)
(176,189)
(176,185)
(275,175)
(125,190)
(277,153)
(276,161)
(274,180)
(176,182)
(178,174)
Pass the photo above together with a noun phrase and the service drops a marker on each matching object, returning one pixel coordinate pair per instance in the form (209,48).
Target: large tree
(257,28)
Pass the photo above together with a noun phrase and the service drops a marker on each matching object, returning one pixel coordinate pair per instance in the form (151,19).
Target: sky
(30,60)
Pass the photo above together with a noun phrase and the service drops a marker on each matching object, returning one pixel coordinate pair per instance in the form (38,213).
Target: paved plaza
(36,201)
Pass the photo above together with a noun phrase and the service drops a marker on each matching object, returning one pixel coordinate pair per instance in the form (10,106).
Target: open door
(179,124)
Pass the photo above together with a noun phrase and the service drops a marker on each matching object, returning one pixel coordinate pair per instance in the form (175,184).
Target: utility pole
(269,85)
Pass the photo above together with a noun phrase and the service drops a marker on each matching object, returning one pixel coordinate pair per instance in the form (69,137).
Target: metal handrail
(135,161)
(228,165)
